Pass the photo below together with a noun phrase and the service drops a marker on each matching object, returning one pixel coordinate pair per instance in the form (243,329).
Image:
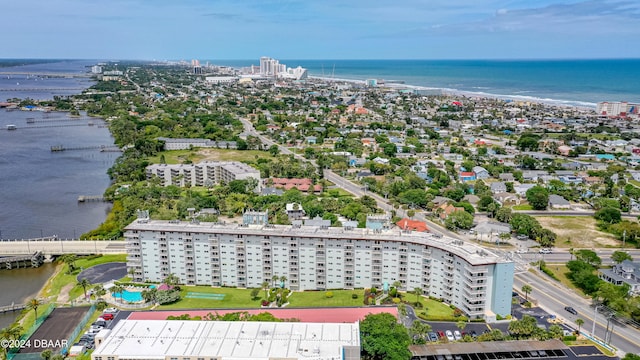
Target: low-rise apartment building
(320,258)
(204,173)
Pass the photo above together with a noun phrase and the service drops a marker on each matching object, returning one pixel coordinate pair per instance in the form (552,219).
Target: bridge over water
(54,246)
(46,74)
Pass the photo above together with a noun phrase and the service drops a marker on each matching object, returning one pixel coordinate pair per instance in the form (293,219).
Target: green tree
(418,331)
(588,256)
(46,354)
(620,256)
(418,291)
(171,280)
(70,260)
(459,220)
(118,289)
(99,291)
(555,331)
(526,289)
(608,215)
(150,295)
(254,293)
(538,197)
(579,322)
(528,142)
(84,283)
(383,338)
(274,150)
(33,304)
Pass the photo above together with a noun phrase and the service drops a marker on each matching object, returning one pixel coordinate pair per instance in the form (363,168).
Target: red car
(441,334)
(107,316)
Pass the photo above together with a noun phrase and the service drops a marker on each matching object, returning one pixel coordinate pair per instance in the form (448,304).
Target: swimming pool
(130,295)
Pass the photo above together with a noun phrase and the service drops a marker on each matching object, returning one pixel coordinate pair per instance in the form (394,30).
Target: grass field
(522,207)
(319,298)
(560,271)
(577,232)
(197,155)
(233,298)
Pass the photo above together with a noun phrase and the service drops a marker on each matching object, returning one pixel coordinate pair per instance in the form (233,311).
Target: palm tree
(461,325)
(265,287)
(579,322)
(46,354)
(99,290)
(274,278)
(70,260)
(418,291)
(84,283)
(283,279)
(171,280)
(9,333)
(526,289)
(118,289)
(33,304)
(150,295)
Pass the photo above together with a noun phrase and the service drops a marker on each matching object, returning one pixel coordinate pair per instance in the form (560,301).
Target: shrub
(457,312)
(526,304)
(354,296)
(499,317)
(396,300)
(328,294)
(569,338)
(265,303)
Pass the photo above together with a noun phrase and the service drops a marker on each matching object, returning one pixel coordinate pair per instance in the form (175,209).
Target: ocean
(563,82)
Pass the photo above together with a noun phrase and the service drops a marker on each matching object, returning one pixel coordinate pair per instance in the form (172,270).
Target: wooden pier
(88,198)
(22,261)
(103,148)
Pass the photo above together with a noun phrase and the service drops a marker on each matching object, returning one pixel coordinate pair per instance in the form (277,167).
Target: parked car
(545,251)
(110,310)
(457,335)
(107,316)
(473,334)
(433,336)
(450,335)
(441,334)
(571,310)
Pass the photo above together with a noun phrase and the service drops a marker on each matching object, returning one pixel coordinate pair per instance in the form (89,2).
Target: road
(553,298)
(80,247)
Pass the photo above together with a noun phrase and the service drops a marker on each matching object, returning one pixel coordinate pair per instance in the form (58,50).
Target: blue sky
(320,29)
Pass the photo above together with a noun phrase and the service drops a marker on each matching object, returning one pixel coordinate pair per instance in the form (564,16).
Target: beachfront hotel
(318,257)
(204,173)
(227,340)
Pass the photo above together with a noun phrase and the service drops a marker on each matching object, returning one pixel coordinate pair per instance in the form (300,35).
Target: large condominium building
(617,108)
(227,340)
(204,173)
(319,258)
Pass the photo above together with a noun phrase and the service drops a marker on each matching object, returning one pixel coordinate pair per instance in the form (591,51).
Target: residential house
(507,177)
(481,173)
(564,150)
(472,199)
(498,187)
(445,210)
(294,211)
(271,191)
(412,225)
(558,202)
(627,272)
(492,227)
(467,176)
(311,139)
(505,197)
(300,184)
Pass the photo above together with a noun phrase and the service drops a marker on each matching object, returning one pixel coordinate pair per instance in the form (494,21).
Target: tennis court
(197,295)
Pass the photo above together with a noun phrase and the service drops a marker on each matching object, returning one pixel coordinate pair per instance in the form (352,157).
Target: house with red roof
(413,225)
(287,184)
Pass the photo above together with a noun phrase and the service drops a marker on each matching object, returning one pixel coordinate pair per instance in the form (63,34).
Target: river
(39,189)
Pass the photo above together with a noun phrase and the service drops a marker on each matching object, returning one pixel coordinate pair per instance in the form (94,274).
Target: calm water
(570,82)
(19,285)
(39,189)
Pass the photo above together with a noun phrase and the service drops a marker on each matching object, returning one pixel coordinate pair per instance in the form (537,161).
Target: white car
(110,310)
(449,335)
(457,335)
(545,251)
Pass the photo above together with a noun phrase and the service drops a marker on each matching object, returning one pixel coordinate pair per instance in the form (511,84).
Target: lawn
(577,232)
(319,298)
(522,207)
(233,298)
(560,271)
(197,155)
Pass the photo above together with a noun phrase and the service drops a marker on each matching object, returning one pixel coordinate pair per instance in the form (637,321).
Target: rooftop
(157,339)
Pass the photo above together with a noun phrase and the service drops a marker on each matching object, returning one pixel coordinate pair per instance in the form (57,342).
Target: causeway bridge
(54,246)
(47,74)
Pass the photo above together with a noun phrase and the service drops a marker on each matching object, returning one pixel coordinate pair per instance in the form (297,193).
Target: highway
(552,296)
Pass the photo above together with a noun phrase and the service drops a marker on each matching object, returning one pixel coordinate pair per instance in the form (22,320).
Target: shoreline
(572,104)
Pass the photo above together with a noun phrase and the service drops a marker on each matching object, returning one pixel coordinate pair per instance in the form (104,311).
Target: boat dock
(12,308)
(88,198)
(102,148)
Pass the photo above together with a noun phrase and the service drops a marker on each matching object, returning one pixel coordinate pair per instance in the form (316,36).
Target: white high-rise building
(203,173)
(319,258)
(272,67)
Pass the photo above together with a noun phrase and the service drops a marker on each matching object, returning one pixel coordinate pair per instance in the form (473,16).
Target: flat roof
(157,339)
(468,251)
